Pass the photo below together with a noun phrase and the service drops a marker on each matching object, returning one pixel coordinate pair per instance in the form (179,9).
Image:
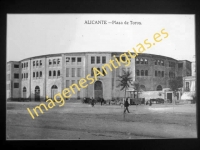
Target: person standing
(92,102)
(102,100)
(126,104)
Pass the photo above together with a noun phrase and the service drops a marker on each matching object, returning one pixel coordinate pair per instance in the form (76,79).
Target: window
(141,61)
(73,72)
(103,59)
(104,72)
(187,88)
(137,61)
(40,73)
(162,73)
(26,64)
(146,72)
(37,63)
(156,73)
(54,73)
(22,65)
(33,63)
(36,74)
(159,88)
(92,73)
(54,61)
(180,65)
(33,74)
(92,60)
(16,85)
(73,60)
(16,75)
(145,61)
(49,73)
(138,73)
(142,72)
(73,81)
(171,64)
(162,63)
(16,66)
(79,60)
(26,75)
(58,74)
(123,58)
(68,60)
(22,76)
(50,62)
(98,60)
(67,72)
(40,62)
(58,61)
(78,72)
(67,83)
(156,62)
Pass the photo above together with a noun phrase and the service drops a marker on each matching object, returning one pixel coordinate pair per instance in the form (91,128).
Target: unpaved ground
(81,121)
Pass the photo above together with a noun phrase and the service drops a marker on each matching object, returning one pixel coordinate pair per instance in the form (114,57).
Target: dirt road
(81,121)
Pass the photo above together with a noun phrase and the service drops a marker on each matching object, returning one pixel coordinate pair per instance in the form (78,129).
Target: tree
(125,80)
(175,84)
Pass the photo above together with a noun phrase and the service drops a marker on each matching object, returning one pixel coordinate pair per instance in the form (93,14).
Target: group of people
(93,101)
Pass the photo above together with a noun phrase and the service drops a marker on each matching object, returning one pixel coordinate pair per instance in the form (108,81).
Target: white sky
(31,35)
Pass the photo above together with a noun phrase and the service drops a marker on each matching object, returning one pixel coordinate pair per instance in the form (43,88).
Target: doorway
(98,89)
(37,93)
(169,97)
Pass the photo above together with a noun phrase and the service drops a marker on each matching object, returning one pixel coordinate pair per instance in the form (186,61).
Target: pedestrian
(92,102)
(126,104)
(102,100)
(150,103)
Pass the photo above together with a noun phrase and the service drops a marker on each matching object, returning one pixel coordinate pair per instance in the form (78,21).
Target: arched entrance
(37,93)
(24,92)
(54,91)
(98,89)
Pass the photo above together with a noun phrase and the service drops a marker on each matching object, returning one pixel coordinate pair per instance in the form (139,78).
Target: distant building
(37,77)
(189,84)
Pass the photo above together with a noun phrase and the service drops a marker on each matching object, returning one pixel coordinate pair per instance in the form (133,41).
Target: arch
(146,72)
(159,88)
(142,72)
(58,73)
(54,90)
(98,89)
(24,92)
(36,74)
(54,73)
(142,88)
(37,93)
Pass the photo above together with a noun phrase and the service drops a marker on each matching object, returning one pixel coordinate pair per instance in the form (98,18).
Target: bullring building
(37,77)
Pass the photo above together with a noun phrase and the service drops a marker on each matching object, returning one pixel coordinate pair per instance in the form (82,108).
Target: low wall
(151,95)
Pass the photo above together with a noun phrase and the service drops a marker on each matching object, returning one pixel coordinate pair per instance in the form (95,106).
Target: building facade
(39,77)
